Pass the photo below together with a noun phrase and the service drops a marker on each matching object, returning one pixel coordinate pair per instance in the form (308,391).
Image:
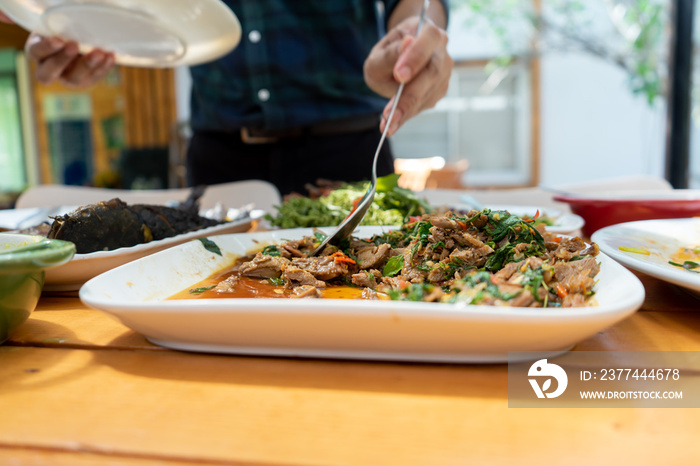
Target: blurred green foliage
(634,39)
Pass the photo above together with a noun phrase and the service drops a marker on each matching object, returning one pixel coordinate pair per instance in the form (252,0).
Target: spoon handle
(421,22)
(351,222)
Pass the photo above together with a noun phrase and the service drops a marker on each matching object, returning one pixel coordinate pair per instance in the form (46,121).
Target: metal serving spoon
(351,222)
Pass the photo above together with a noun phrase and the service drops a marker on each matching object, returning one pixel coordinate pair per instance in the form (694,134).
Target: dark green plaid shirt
(298,62)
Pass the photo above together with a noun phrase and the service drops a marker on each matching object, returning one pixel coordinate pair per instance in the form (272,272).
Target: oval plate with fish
(71,276)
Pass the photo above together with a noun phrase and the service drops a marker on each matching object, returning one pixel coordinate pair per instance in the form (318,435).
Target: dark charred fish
(114,224)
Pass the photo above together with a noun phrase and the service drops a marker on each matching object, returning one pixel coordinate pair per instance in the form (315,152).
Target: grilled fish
(113,224)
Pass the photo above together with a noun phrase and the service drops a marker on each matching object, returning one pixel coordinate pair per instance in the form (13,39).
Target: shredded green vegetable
(392,205)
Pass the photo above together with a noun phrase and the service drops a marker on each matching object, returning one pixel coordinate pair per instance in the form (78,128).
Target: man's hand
(61,60)
(421,62)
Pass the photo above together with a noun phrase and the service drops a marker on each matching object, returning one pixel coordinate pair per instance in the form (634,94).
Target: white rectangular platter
(359,329)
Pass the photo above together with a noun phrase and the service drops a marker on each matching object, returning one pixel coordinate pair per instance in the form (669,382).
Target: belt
(251,135)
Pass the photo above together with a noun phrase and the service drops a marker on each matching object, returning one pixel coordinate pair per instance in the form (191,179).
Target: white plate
(72,275)
(563,223)
(262,194)
(154,33)
(662,238)
(16,219)
(391,330)
(69,277)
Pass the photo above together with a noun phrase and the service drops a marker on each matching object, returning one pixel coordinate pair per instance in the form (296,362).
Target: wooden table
(79,388)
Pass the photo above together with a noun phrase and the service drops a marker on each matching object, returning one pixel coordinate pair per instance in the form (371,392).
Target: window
(485,120)
(13,176)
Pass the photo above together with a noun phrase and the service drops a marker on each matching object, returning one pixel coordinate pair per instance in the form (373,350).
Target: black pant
(289,163)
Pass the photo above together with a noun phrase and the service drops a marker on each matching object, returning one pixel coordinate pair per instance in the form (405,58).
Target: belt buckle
(248,138)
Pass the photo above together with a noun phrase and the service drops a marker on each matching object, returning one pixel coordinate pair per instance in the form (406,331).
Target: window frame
(527,139)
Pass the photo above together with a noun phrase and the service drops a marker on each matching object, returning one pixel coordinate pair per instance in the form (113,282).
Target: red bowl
(625,206)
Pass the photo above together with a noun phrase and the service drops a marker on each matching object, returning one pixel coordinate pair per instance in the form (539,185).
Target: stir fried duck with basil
(486,257)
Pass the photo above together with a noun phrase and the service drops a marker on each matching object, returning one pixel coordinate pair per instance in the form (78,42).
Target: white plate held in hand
(154,33)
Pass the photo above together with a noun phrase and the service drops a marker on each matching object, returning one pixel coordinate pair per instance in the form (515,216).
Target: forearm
(407,8)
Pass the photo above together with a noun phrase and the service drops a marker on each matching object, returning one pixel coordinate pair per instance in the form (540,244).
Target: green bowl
(23,260)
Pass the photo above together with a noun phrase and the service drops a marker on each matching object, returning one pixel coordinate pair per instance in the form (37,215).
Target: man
(304,95)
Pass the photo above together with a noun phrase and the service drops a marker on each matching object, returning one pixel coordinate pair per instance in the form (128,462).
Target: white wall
(592,126)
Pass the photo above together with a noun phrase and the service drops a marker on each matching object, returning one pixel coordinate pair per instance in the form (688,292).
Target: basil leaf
(271,250)
(210,246)
(201,290)
(393,266)
(388,183)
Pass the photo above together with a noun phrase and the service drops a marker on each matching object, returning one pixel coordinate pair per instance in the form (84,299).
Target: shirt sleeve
(390,5)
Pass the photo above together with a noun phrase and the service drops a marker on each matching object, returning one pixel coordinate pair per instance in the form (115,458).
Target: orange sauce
(248,287)
(686,254)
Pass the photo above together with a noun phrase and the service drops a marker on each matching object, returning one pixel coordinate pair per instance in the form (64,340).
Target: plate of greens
(392,206)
